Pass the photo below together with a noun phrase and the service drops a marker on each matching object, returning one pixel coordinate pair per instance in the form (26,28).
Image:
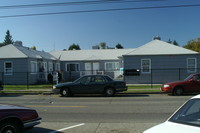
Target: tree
(169,41)
(74,47)
(119,46)
(8,38)
(103,45)
(175,43)
(193,45)
(33,47)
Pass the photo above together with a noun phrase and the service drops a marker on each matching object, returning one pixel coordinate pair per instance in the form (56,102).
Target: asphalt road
(130,113)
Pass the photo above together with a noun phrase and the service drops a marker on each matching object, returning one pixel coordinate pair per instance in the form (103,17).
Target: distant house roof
(90,55)
(157,47)
(17,51)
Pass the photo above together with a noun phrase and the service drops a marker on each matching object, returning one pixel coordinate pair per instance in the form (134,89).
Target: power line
(101,10)
(74,3)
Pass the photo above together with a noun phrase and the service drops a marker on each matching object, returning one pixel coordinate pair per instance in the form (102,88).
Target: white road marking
(63,129)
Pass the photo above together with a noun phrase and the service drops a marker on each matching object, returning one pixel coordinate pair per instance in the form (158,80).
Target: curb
(51,93)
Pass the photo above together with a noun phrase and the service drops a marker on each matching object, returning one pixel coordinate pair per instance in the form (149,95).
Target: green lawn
(38,87)
(26,87)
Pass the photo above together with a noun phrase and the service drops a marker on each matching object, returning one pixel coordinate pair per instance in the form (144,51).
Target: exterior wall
(72,75)
(164,68)
(19,71)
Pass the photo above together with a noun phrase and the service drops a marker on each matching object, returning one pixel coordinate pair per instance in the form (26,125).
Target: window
(110,66)
(57,66)
(146,65)
(45,66)
(72,67)
(8,68)
(33,67)
(50,67)
(191,65)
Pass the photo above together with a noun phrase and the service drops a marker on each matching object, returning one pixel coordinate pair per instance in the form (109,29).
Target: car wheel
(109,92)
(9,127)
(178,91)
(65,92)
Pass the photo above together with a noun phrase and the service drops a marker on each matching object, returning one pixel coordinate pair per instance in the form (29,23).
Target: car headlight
(54,87)
(166,86)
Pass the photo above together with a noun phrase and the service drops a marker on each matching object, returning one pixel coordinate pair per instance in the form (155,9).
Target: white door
(95,67)
(88,68)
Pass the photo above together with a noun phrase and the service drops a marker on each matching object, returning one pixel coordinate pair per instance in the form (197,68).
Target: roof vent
(156,38)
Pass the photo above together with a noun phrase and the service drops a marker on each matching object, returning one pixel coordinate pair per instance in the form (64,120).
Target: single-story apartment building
(23,65)
(160,62)
(156,61)
(76,63)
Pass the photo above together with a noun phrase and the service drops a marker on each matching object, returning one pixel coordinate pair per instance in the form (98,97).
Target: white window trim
(149,66)
(195,67)
(45,66)
(35,62)
(112,63)
(72,63)
(57,67)
(50,64)
(11,72)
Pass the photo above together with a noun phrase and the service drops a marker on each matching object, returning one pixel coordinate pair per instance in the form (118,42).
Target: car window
(196,78)
(99,79)
(188,114)
(85,80)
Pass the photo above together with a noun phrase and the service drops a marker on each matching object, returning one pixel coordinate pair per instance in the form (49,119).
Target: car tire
(178,91)
(65,92)
(10,127)
(109,92)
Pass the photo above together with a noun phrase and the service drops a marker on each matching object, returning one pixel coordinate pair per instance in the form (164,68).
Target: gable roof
(17,51)
(90,55)
(157,47)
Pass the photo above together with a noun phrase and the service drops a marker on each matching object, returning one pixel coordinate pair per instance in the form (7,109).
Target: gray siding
(19,75)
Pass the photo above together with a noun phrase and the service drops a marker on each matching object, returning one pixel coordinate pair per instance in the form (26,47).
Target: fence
(155,76)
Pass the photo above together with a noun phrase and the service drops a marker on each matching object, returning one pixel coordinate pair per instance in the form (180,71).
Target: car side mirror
(191,80)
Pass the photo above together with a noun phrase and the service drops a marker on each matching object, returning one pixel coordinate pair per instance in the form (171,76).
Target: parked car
(185,120)
(91,84)
(190,85)
(14,119)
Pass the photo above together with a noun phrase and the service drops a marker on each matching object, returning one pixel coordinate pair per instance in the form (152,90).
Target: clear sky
(130,28)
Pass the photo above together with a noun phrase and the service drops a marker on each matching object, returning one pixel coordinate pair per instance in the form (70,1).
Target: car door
(193,84)
(98,84)
(82,86)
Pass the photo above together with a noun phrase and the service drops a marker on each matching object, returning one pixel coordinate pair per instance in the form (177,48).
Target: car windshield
(188,114)
(189,77)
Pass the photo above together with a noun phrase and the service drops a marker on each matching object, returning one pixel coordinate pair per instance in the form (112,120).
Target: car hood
(63,84)
(170,127)
(175,82)
(10,106)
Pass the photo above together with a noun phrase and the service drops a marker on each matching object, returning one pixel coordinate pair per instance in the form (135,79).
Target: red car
(190,85)
(14,119)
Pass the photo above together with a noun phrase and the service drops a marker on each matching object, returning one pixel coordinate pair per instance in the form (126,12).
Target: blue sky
(131,28)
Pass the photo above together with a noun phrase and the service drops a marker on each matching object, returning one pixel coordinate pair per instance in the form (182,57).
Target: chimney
(156,38)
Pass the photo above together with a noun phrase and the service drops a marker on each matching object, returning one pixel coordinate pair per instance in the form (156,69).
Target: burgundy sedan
(190,85)
(14,119)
